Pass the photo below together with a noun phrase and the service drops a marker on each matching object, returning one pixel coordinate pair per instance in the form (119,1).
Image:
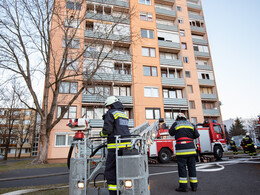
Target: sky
(233,28)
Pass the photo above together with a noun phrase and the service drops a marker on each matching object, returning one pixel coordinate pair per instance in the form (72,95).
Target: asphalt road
(237,176)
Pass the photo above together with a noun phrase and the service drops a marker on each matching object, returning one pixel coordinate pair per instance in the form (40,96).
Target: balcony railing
(173,81)
(198,29)
(126,78)
(87,98)
(105,36)
(208,96)
(202,54)
(200,41)
(206,82)
(168,44)
(110,56)
(118,3)
(167,27)
(109,18)
(194,6)
(170,62)
(99,123)
(195,16)
(175,101)
(204,67)
(165,12)
(211,112)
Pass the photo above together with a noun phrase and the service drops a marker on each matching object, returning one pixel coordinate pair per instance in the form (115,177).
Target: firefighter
(233,146)
(115,123)
(249,145)
(185,132)
(243,145)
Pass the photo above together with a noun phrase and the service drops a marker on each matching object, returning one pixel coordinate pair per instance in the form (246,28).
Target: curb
(31,177)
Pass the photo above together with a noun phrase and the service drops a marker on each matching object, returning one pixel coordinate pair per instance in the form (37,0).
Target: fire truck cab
(211,141)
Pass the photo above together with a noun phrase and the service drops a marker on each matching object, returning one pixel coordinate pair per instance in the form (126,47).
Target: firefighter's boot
(179,189)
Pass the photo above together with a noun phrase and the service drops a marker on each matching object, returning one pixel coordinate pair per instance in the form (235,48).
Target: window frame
(149,52)
(152,91)
(150,71)
(68,113)
(148,35)
(153,110)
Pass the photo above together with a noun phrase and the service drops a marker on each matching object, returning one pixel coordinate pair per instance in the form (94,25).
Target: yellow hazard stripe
(186,153)
(119,145)
(187,127)
(194,181)
(120,115)
(102,134)
(112,187)
(183,181)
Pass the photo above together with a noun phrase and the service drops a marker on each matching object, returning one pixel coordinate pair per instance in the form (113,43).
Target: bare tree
(29,34)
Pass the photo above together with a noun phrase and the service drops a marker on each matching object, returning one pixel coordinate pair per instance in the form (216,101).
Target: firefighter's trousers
(190,162)
(251,149)
(110,171)
(234,150)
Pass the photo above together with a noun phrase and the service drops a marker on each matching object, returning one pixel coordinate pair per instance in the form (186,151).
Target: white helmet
(180,115)
(232,138)
(110,100)
(247,133)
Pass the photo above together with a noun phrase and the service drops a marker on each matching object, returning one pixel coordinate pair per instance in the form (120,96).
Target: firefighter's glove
(102,135)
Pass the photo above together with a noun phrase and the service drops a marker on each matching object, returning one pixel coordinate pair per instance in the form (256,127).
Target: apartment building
(18,125)
(158,63)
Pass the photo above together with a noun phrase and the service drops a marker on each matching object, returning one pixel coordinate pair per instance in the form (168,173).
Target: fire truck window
(217,129)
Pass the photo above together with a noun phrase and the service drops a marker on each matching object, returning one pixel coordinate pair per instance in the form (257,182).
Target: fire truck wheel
(218,153)
(164,155)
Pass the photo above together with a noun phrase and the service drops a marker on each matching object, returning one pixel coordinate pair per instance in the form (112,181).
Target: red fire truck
(212,141)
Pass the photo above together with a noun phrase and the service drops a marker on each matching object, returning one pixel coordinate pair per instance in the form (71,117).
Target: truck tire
(218,152)
(165,155)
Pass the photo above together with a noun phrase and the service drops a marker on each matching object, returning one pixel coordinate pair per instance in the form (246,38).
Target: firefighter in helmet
(115,123)
(233,146)
(185,132)
(249,144)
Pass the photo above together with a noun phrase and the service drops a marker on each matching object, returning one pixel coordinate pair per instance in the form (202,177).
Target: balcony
(109,18)
(166,2)
(204,67)
(193,6)
(99,123)
(198,29)
(123,78)
(167,44)
(208,96)
(175,101)
(195,16)
(202,54)
(167,27)
(111,37)
(207,82)
(117,3)
(200,41)
(87,98)
(111,56)
(173,81)
(211,112)
(165,13)
(170,62)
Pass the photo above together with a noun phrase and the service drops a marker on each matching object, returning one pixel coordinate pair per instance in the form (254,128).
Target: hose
(69,155)
(97,149)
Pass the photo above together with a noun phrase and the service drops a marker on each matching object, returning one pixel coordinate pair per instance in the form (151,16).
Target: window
(185,59)
(16,122)
(73,5)
(150,71)
(190,88)
(182,33)
(89,25)
(152,113)
(172,93)
(187,74)
(2,112)
(121,91)
(192,104)
(147,33)
(27,113)
(73,64)
(146,2)
(146,16)
(194,120)
(184,45)
(71,113)
(71,23)
(206,90)
(205,76)
(120,68)
(2,121)
(68,87)
(151,92)
(93,113)
(63,139)
(180,20)
(217,129)
(149,52)
(179,8)
(74,44)
(26,122)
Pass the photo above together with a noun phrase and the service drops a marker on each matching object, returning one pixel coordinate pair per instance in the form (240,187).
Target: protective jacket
(115,123)
(185,132)
(232,144)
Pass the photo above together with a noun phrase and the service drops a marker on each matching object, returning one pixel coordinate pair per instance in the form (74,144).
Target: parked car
(1,156)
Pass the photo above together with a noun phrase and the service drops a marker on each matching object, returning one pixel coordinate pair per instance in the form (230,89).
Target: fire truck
(212,141)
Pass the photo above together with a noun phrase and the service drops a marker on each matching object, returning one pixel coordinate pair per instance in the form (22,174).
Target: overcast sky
(233,28)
